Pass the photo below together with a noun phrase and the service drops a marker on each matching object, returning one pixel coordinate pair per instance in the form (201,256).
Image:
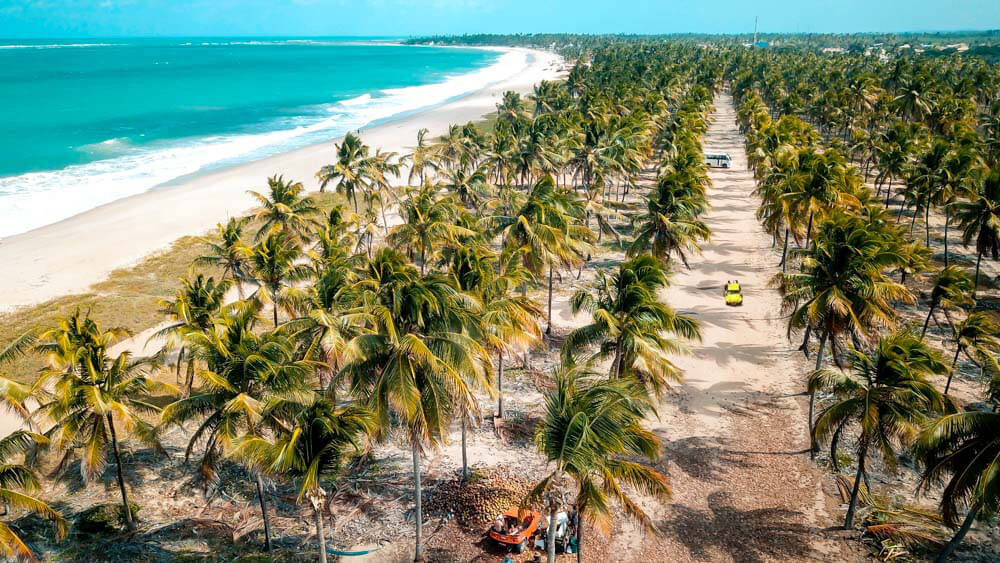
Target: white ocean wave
(38,198)
(61,46)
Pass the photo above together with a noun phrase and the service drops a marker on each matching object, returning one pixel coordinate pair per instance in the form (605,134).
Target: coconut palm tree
(317,446)
(428,223)
(348,172)
(13,394)
(961,451)
(887,395)
(470,185)
(978,336)
(86,394)
(191,310)
(17,484)
(670,226)
(249,380)
(631,324)
(590,434)
(422,160)
(275,267)
(979,220)
(951,288)
(508,322)
(227,251)
(419,358)
(547,227)
(843,289)
(284,209)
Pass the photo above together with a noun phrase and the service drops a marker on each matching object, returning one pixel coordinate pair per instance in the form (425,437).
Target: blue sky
(97,18)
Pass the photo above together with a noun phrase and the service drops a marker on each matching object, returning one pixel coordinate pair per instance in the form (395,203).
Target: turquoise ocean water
(83,123)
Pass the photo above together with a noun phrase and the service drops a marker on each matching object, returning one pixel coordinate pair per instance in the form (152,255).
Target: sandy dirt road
(734,433)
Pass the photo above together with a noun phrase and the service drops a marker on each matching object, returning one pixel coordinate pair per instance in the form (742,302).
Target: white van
(718,160)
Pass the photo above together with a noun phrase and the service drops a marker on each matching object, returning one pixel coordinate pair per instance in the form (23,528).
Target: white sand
(69,256)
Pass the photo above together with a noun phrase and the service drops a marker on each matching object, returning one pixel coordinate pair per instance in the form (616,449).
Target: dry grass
(128,298)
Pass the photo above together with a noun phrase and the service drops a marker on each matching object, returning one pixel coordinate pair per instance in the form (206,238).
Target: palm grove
(316,332)
(849,152)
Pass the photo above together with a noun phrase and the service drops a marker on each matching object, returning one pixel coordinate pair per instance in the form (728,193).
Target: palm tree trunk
(812,395)
(849,519)
(927,321)
(975,279)
(959,535)
(126,509)
(548,330)
(423,254)
(784,252)
(418,551)
(180,360)
(263,513)
(927,223)
(189,377)
(579,537)
(809,229)
(550,533)
(888,193)
(947,218)
(275,310)
(954,362)
(805,341)
(465,455)
(500,384)
(320,533)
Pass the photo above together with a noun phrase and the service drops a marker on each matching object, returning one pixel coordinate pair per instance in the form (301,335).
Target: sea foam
(35,199)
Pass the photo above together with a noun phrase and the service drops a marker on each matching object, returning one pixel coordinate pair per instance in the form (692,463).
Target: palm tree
(590,433)
(950,289)
(91,391)
(248,380)
(13,394)
(547,228)
(17,483)
(191,310)
(631,324)
(887,395)
(428,223)
(978,336)
(318,445)
(670,225)
(228,252)
(348,171)
(275,266)
(422,160)
(284,209)
(418,360)
(843,288)
(962,451)
(507,321)
(377,170)
(469,184)
(979,220)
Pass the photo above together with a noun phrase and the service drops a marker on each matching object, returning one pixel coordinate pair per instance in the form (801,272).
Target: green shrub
(104,519)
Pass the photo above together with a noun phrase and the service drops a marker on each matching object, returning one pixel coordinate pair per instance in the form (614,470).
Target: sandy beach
(68,256)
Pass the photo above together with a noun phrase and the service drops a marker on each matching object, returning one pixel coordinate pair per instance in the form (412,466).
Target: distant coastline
(69,255)
(125,156)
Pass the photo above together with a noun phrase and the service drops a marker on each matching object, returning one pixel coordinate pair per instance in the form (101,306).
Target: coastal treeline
(306,336)
(850,152)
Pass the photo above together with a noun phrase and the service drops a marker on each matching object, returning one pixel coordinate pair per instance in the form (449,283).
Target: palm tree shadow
(705,458)
(745,536)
